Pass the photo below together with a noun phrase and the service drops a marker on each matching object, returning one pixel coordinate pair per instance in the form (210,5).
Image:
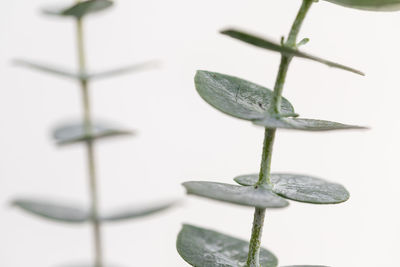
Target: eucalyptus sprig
(245,100)
(87,132)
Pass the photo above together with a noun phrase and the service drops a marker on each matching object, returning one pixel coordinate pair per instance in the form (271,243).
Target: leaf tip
(14,203)
(199,74)
(17,61)
(225,31)
(360,73)
(364,127)
(185,184)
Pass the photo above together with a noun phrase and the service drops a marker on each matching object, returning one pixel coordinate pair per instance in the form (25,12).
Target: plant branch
(285,60)
(253,258)
(265,170)
(87,122)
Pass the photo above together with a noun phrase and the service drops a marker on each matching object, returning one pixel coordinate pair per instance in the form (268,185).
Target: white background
(182,138)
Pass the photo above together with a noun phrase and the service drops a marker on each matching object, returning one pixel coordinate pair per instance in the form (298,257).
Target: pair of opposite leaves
(245,100)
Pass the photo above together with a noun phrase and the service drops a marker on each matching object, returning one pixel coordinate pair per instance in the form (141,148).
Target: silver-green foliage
(88,133)
(205,247)
(245,100)
(372,5)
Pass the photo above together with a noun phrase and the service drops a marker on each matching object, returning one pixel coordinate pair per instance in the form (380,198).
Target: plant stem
(269,136)
(285,60)
(265,170)
(87,122)
(253,258)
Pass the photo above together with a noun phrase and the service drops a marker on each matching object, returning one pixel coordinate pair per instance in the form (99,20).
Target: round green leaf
(302,188)
(206,248)
(308,189)
(80,9)
(288,51)
(50,210)
(303,124)
(241,195)
(248,101)
(236,97)
(75,132)
(372,5)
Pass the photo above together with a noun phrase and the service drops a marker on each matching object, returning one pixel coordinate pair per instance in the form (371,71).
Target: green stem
(269,136)
(285,60)
(265,170)
(296,26)
(87,121)
(253,258)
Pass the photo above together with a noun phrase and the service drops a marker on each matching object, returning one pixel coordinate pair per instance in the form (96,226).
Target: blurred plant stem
(87,122)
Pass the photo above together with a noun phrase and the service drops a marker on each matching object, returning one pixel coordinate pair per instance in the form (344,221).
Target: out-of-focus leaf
(73,214)
(136,212)
(302,188)
(81,9)
(85,76)
(206,248)
(50,69)
(240,195)
(50,210)
(303,124)
(85,265)
(372,5)
(122,70)
(75,132)
(270,45)
(236,97)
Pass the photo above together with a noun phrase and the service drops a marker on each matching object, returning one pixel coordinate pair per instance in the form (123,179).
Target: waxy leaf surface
(206,248)
(75,132)
(303,124)
(372,5)
(52,211)
(302,188)
(236,97)
(59,71)
(240,195)
(81,9)
(245,100)
(270,45)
